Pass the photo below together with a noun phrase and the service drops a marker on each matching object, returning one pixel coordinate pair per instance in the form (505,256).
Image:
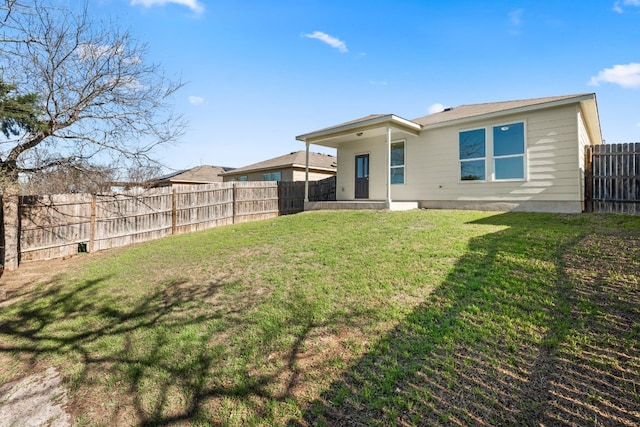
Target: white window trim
(490,159)
(475,159)
(404,165)
(525,166)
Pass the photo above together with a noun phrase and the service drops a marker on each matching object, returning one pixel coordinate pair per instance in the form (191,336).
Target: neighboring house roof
(199,175)
(375,124)
(317,161)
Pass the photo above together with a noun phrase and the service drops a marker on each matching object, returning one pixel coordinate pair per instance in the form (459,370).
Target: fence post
(174,211)
(280,198)
(92,224)
(588,179)
(233,202)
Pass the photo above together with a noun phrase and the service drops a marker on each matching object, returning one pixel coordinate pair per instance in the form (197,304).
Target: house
(525,155)
(289,167)
(204,174)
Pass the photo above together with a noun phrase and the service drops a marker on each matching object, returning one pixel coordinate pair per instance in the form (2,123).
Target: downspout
(306,173)
(389,167)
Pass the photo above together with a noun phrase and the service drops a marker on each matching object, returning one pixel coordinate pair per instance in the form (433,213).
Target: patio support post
(389,166)
(306,173)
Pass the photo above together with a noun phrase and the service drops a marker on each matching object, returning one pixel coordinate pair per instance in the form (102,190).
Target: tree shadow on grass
(531,327)
(177,354)
(152,356)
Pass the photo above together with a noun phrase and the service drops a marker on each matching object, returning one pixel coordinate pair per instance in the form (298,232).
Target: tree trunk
(11,222)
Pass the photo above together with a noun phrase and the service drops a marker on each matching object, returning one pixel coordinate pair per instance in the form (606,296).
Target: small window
(272,176)
(508,151)
(472,145)
(243,178)
(397,162)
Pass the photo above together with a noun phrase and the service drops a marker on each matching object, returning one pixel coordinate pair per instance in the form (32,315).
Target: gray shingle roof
(199,174)
(297,158)
(472,110)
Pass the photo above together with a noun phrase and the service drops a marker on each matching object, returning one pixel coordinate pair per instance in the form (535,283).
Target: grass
(361,318)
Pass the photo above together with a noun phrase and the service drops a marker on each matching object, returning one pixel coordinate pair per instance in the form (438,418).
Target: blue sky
(261,72)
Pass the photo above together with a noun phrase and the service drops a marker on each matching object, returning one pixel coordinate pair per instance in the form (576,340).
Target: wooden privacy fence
(612,178)
(291,194)
(60,225)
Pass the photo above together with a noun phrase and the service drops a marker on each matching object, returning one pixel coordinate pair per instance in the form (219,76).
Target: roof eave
(276,167)
(319,168)
(334,132)
(592,120)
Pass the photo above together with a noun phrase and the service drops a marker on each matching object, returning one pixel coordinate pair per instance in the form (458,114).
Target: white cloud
(377,83)
(196,100)
(95,52)
(330,40)
(194,5)
(515,17)
(515,21)
(617,6)
(435,108)
(622,75)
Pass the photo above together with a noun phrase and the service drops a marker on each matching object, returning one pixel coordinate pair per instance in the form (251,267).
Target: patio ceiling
(366,127)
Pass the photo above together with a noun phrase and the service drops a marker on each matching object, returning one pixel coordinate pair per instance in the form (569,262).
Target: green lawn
(348,318)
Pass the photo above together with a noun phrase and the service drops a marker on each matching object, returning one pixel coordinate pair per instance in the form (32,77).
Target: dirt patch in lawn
(596,372)
(32,394)
(16,284)
(35,400)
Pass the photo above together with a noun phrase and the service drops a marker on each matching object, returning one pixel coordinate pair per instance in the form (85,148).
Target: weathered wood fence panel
(613,178)
(203,206)
(52,226)
(323,190)
(291,194)
(62,225)
(132,217)
(255,201)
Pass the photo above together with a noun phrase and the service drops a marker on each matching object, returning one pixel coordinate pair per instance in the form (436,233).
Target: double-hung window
(397,162)
(508,151)
(473,153)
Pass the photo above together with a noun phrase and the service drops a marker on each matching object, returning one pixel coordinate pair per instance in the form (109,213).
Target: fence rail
(291,194)
(612,178)
(57,226)
(61,225)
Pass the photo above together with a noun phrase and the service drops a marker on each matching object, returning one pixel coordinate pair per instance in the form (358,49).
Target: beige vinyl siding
(554,138)
(583,141)
(432,168)
(376,148)
(299,175)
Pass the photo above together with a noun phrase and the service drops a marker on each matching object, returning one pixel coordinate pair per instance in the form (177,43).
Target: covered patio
(387,126)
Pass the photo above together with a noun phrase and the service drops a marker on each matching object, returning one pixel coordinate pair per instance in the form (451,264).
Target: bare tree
(70,178)
(100,101)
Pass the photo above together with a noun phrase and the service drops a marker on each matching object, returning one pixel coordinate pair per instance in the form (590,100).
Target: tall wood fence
(291,194)
(60,225)
(612,178)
